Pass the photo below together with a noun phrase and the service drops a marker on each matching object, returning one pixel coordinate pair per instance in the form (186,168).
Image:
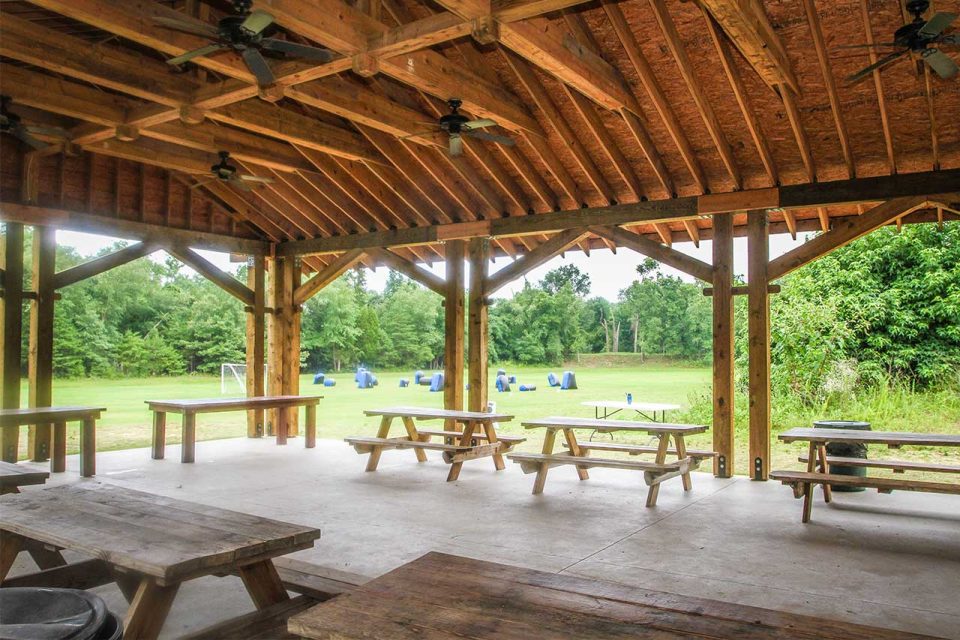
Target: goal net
(233,378)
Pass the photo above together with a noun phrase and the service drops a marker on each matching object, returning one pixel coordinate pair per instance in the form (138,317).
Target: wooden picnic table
(818,471)
(647,410)
(147,543)
(13,476)
(654,473)
(58,417)
(440,596)
(478,437)
(190,409)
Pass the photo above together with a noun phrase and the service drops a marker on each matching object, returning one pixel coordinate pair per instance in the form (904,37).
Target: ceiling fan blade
(491,137)
(456,145)
(478,124)
(866,71)
(937,24)
(257,21)
(418,135)
(24,136)
(196,53)
(240,184)
(259,179)
(200,183)
(941,63)
(258,66)
(194,27)
(52,132)
(951,39)
(865,46)
(306,52)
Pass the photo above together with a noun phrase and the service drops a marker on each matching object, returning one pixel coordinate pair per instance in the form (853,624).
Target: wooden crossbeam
(102,264)
(541,254)
(681,261)
(413,271)
(212,273)
(843,233)
(331,272)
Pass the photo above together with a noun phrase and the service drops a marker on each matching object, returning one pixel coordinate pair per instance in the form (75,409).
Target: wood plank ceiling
(608,102)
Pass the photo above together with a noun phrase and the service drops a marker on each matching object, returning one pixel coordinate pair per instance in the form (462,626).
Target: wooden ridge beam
(340,265)
(211,272)
(551,247)
(410,269)
(680,261)
(118,227)
(103,264)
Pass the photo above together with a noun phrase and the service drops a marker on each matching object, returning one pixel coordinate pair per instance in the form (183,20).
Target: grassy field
(127,423)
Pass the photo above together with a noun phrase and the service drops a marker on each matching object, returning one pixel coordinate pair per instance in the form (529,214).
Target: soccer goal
(233,377)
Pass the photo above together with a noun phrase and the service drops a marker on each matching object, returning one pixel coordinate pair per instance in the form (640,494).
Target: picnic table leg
(549,439)
(575,451)
(10,547)
(310,418)
(159,434)
(468,429)
(47,558)
(149,610)
(808,487)
(189,437)
(414,437)
(681,454)
(822,455)
(58,457)
(376,450)
(491,438)
(88,447)
(654,490)
(263,584)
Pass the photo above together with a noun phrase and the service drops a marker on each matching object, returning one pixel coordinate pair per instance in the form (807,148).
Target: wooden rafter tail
(671,257)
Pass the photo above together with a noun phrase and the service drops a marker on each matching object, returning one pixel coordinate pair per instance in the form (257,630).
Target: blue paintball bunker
(318,379)
(503,383)
(436,382)
(569,381)
(329,382)
(552,380)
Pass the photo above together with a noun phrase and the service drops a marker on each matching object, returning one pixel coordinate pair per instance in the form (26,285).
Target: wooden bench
(799,479)
(897,466)
(190,408)
(41,417)
(13,476)
(654,473)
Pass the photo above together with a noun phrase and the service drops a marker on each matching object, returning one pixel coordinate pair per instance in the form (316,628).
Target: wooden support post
(40,356)
(478,327)
(723,390)
(255,346)
(283,358)
(12,258)
(275,331)
(291,355)
(453,324)
(758,251)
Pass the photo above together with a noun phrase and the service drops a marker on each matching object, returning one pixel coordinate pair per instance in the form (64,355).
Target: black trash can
(844,450)
(56,614)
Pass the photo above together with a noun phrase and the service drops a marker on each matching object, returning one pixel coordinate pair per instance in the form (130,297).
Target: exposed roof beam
(542,253)
(334,270)
(211,272)
(413,271)
(799,133)
(878,85)
(103,263)
(681,261)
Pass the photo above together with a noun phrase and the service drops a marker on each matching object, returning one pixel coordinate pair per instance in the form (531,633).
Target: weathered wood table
(654,473)
(648,410)
(818,472)
(58,417)
(190,409)
(477,439)
(148,544)
(13,476)
(442,597)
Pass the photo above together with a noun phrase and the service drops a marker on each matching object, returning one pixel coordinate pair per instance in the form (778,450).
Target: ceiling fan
(12,123)
(458,125)
(924,37)
(226,172)
(244,33)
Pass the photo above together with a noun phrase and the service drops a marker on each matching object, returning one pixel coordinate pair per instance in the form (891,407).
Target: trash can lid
(842,424)
(50,614)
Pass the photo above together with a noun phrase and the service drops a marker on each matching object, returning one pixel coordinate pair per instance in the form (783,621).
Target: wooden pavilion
(636,124)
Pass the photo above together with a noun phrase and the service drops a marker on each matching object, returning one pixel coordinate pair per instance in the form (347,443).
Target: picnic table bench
(648,410)
(190,408)
(818,470)
(477,439)
(148,544)
(577,454)
(58,417)
(446,597)
(13,476)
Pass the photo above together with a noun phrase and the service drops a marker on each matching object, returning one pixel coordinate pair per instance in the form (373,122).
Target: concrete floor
(884,560)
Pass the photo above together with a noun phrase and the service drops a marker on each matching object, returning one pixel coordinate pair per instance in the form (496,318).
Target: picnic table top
(15,475)
(442,596)
(607,425)
(32,415)
(229,404)
(172,540)
(427,413)
(870,437)
(639,406)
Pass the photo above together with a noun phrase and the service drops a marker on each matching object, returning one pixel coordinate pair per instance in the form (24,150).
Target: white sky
(609,273)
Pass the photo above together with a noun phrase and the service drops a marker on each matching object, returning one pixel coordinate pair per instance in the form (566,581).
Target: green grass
(127,423)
